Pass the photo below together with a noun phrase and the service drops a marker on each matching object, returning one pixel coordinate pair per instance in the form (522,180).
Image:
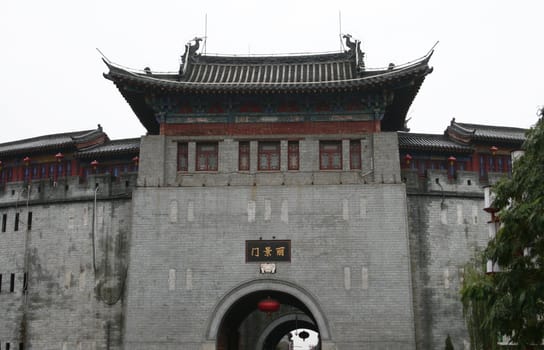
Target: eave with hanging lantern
(62,155)
(483,149)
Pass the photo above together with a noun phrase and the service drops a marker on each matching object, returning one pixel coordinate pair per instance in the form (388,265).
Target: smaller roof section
(112,148)
(474,133)
(428,142)
(69,141)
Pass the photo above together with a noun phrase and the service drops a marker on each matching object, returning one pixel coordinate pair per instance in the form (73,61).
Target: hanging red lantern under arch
(94,164)
(268,305)
(59,156)
(452,160)
(26,160)
(408,159)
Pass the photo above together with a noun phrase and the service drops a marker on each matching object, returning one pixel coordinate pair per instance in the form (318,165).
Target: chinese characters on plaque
(261,250)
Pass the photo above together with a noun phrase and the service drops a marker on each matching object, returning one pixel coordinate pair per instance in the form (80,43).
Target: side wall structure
(447,227)
(59,301)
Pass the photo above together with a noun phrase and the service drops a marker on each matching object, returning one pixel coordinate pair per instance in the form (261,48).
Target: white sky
(488,66)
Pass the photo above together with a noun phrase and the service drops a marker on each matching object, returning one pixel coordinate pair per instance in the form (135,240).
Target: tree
(476,293)
(511,302)
(449,344)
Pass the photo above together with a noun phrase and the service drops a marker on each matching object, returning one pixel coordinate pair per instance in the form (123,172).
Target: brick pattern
(443,238)
(382,258)
(326,239)
(61,308)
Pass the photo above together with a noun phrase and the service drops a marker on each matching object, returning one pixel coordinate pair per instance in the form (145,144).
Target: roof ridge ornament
(355,49)
(189,54)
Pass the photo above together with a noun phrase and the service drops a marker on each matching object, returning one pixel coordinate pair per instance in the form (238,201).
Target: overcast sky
(488,66)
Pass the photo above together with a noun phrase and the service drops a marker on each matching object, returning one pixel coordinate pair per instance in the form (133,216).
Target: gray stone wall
(445,233)
(158,162)
(65,304)
(380,252)
(349,242)
(349,249)
(152,157)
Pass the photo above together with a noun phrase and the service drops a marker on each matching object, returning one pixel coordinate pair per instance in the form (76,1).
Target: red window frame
(330,155)
(207,156)
(243,155)
(293,156)
(355,155)
(9,174)
(269,155)
(183,156)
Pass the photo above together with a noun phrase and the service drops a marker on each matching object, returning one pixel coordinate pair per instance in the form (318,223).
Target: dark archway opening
(243,323)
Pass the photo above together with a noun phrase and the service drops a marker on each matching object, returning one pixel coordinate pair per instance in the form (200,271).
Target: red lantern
(136,160)
(1,165)
(452,160)
(407,158)
(26,160)
(268,305)
(59,157)
(94,164)
(493,149)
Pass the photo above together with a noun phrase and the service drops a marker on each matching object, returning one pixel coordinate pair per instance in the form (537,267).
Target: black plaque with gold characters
(268,251)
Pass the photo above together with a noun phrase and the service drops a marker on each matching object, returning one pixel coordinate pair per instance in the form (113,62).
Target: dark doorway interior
(243,324)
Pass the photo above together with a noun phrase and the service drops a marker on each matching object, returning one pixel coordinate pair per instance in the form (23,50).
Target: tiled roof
(273,59)
(319,73)
(270,72)
(479,132)
(439,143)
(124,146)
(55,142)
(270,76)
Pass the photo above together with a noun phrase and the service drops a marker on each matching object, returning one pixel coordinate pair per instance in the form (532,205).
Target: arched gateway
(238,309)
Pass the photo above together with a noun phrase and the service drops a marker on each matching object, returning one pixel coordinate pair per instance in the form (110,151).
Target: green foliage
(511,302)
(449,344)
(477,294)
(518,310)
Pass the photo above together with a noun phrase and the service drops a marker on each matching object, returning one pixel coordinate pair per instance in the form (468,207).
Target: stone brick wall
(65,303)
(158,162)
(349,243)
(381,252)
(445,233)
(350,251)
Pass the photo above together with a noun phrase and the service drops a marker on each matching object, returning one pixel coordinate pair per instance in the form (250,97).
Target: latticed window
(243,156)
(292,155)
(490,163)
(355,154)
(269,155)
(330,155)
(183,157)
(206,156)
